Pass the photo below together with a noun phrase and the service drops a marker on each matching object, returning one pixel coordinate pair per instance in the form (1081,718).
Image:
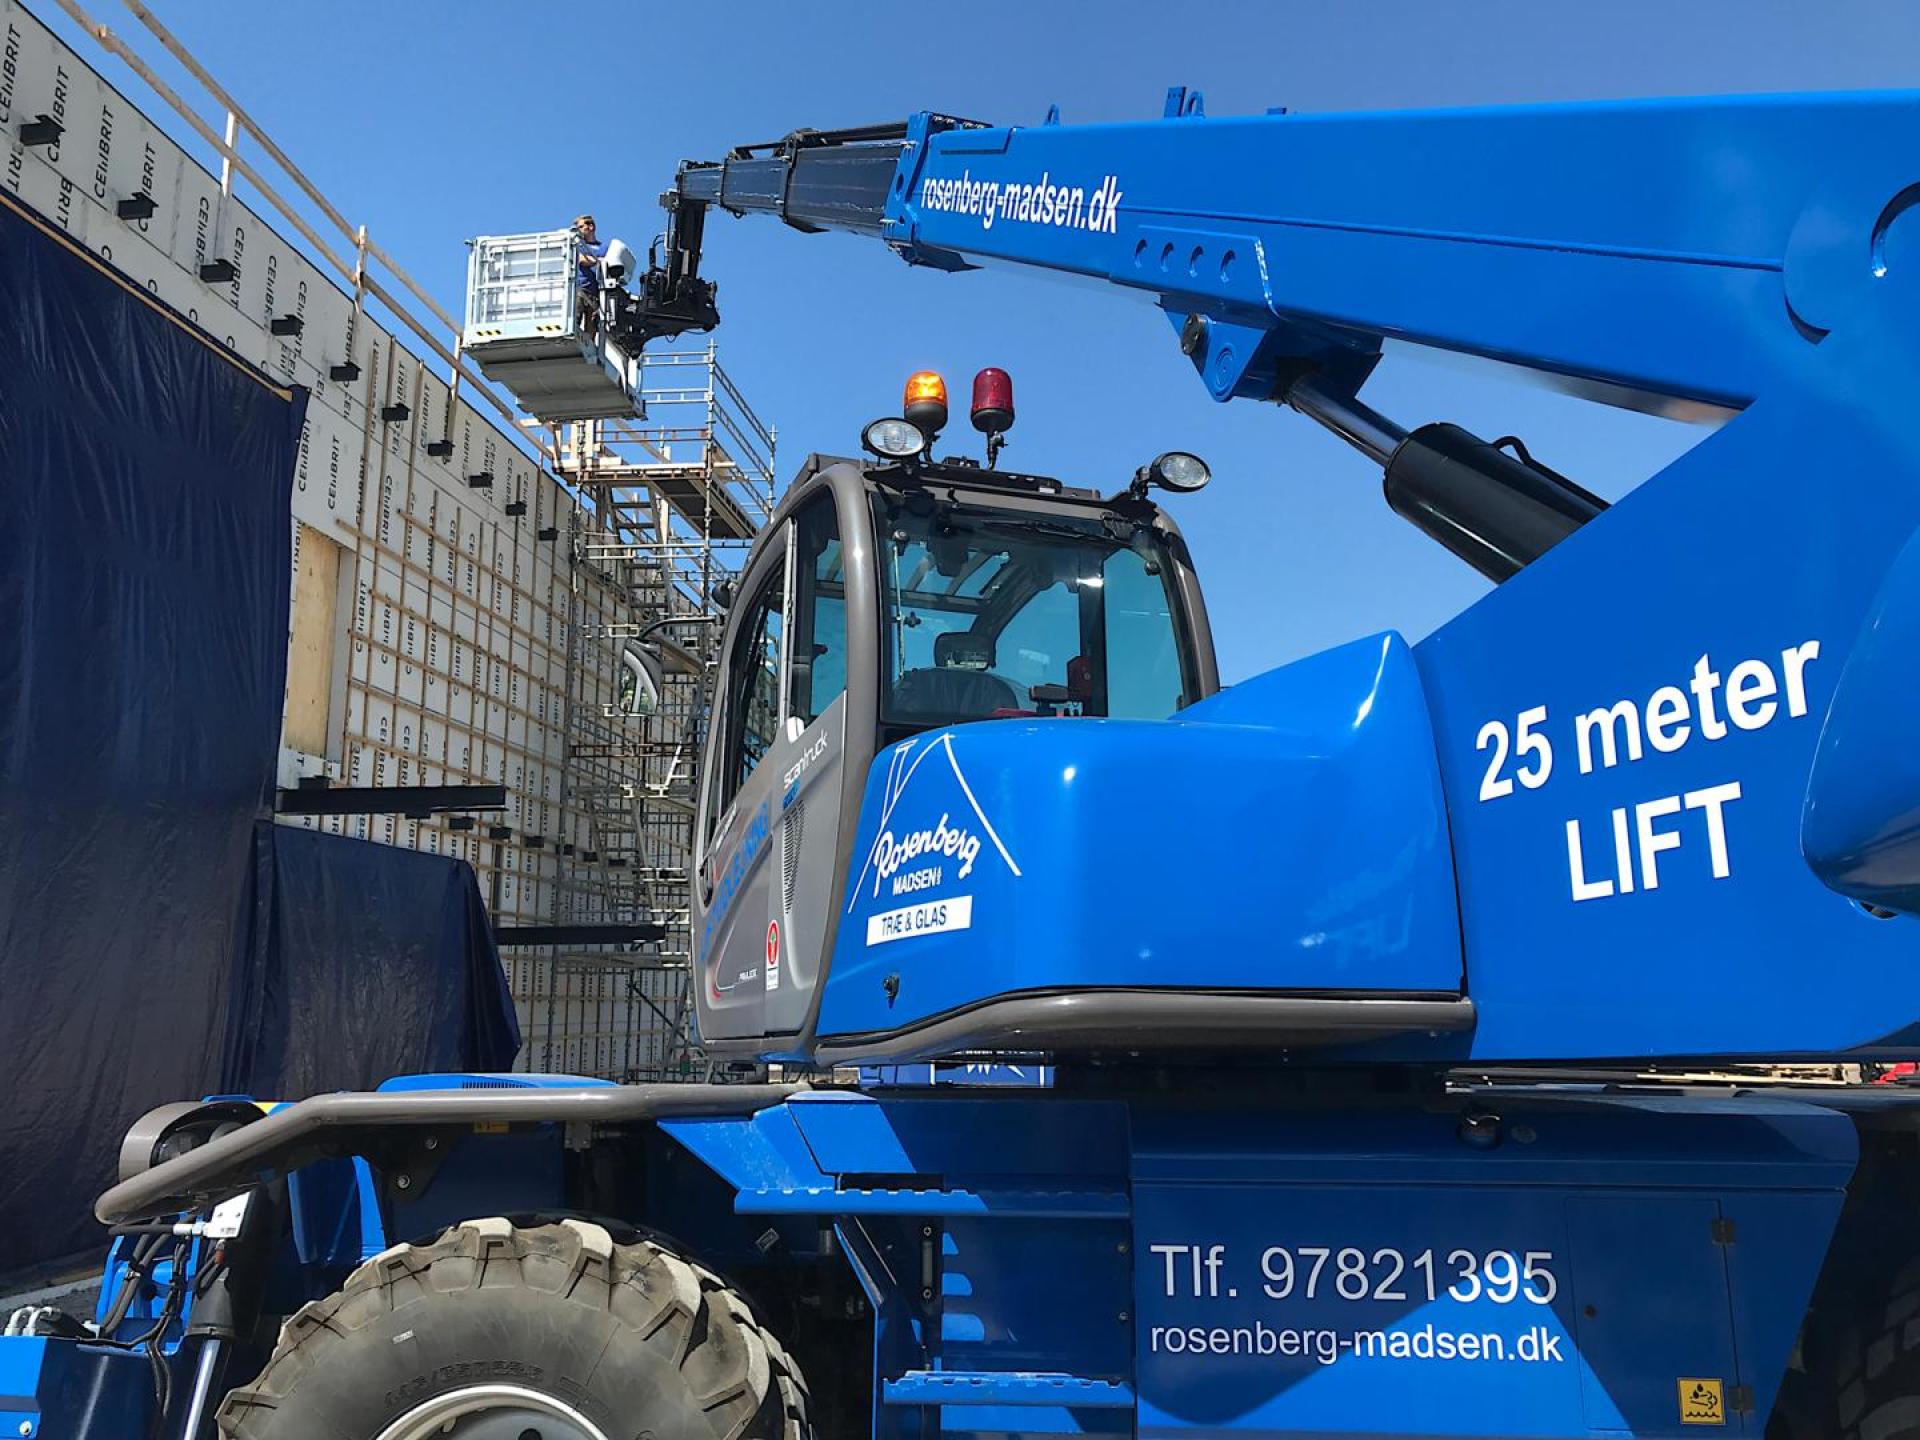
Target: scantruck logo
(1042,202)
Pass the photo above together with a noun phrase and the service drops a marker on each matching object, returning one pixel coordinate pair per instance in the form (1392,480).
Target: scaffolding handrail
(752,431)
(238,120)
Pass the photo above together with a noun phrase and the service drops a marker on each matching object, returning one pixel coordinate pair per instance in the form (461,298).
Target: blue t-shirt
(584,276)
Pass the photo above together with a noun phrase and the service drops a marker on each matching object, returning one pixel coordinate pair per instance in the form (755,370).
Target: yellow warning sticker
(1701,1402)
(499,1127)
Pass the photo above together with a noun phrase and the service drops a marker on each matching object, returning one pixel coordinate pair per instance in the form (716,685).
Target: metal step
(994,1204)
(1009,1387)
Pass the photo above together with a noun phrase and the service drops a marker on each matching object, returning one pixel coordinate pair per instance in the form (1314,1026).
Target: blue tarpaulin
(393,940)
(159,938)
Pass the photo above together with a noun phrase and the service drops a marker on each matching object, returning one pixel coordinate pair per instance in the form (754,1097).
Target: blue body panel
(1760,550)
(59,1383)
(1167,1267)
(1288,834)
(1610,1203)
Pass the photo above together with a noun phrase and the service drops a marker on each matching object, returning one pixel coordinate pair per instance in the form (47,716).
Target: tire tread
(734,1369)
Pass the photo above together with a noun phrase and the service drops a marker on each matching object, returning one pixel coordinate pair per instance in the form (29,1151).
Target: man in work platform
(591,251)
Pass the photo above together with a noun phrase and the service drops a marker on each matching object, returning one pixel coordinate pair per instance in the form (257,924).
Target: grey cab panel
(735,891)
(809,811)
(774,786)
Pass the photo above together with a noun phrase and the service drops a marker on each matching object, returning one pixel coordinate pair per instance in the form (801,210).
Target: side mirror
(642,679)
(723,594)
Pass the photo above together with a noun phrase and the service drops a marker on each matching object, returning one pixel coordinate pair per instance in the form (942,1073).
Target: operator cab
(899,595)
(1006,596)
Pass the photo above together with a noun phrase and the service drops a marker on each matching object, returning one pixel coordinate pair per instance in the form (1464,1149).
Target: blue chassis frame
(1045,1262)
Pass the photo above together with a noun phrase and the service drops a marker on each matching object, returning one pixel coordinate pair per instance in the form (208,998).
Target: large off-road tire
(1877,1367)
(493,1331)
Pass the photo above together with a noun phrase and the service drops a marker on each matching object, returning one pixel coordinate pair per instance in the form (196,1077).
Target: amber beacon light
(927,401)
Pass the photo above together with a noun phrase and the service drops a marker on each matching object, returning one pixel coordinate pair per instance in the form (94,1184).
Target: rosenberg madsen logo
(954,842)
(1043,203)
(943,841)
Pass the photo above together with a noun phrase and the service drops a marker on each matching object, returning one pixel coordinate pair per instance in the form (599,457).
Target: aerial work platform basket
(524,329)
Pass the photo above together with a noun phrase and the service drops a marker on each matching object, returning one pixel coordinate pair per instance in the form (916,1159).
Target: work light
(894,439)
(1176,470)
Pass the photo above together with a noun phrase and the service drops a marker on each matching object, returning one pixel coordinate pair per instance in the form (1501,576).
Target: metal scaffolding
(673,500)
(465,583)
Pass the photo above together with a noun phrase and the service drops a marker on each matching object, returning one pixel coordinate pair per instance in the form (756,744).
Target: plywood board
(310,652)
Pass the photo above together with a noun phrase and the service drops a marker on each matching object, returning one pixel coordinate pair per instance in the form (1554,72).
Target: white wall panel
(454,632)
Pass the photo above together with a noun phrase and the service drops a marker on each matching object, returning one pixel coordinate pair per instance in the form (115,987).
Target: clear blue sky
(435,120)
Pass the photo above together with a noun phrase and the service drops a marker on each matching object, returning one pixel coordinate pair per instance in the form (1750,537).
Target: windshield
(994,614)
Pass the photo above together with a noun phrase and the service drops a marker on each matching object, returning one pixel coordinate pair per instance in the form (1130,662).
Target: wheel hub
(493,1412)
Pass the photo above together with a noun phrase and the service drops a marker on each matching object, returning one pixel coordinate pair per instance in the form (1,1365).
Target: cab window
(1143,670)
(991,613)
(818,653)
(753,694)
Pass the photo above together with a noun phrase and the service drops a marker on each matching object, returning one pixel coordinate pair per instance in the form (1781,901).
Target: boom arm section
(1645,252)
(813,179)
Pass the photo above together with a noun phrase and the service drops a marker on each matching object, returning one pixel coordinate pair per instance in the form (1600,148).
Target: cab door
(737,883)
(774,798)
(811,815)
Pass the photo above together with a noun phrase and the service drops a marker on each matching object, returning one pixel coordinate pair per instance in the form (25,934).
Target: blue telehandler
(1396,1043)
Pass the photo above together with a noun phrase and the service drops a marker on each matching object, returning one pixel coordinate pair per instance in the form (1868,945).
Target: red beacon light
(992,411)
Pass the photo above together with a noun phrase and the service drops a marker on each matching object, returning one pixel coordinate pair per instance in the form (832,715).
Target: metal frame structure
(674,501)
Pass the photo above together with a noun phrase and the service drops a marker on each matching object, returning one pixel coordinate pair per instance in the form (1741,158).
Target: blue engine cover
(1286,835)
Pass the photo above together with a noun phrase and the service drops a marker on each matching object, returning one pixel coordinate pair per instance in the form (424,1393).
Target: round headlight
(894,439)
(1178,470)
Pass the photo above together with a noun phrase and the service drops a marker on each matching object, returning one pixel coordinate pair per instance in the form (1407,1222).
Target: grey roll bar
(340,1124)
